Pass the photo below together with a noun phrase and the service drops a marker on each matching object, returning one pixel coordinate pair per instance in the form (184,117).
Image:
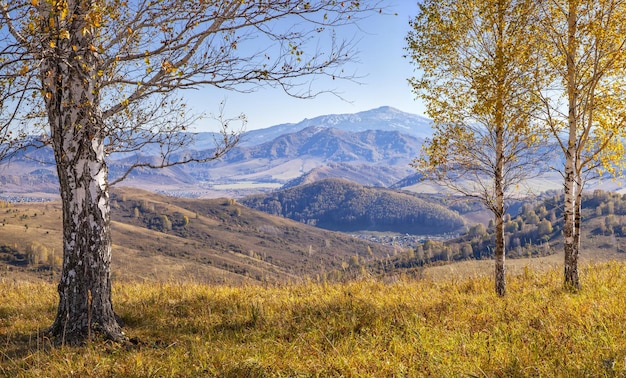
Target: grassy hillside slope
(164,238)
(361,329)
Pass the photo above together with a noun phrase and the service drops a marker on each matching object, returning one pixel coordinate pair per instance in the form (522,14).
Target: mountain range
(371,148)
(384,118)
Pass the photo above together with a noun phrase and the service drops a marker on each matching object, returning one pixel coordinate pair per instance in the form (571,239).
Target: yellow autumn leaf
(35,2)
(24,70)
(52,44)
(64,34)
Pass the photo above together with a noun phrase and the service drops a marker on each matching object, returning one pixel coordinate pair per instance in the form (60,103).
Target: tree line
(532,232)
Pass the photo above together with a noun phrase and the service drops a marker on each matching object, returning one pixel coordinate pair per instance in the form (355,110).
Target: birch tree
(584,46)
(107,76)
(476,77)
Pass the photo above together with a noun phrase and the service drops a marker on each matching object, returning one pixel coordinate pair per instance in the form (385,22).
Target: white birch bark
(71,93)
(570,231)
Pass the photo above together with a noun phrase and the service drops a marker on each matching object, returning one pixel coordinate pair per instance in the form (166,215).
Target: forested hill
(341,205)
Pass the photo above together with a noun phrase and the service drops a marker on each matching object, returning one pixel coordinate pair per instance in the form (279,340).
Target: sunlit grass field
(367,328)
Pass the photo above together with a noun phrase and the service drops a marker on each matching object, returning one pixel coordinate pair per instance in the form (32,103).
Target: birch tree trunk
(570,231)
(500,245)
(498,177)
(70,83)
(569,228)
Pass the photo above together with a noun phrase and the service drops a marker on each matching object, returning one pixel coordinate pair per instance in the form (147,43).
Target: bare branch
(172,143)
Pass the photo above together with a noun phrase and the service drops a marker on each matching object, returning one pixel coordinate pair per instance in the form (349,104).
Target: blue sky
(382,70)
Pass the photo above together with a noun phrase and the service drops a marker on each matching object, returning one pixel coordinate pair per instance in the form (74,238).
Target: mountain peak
(384,109)
(384,118)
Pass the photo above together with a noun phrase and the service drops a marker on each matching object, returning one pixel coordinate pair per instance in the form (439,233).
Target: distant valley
(160,238)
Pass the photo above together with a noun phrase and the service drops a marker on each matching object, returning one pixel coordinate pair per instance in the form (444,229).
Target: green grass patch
(360,329)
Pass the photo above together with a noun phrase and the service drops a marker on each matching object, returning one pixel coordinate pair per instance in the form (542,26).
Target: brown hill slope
(164,238)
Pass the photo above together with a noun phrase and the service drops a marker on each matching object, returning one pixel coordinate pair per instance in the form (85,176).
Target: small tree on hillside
(476,76)
(105,74)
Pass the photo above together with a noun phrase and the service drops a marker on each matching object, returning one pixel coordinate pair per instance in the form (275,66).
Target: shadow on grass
(16,349)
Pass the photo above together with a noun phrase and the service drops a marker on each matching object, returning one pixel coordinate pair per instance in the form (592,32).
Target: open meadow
(210,288)
(366,328)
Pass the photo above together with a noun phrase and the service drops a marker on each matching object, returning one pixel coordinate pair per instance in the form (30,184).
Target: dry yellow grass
(360,329)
